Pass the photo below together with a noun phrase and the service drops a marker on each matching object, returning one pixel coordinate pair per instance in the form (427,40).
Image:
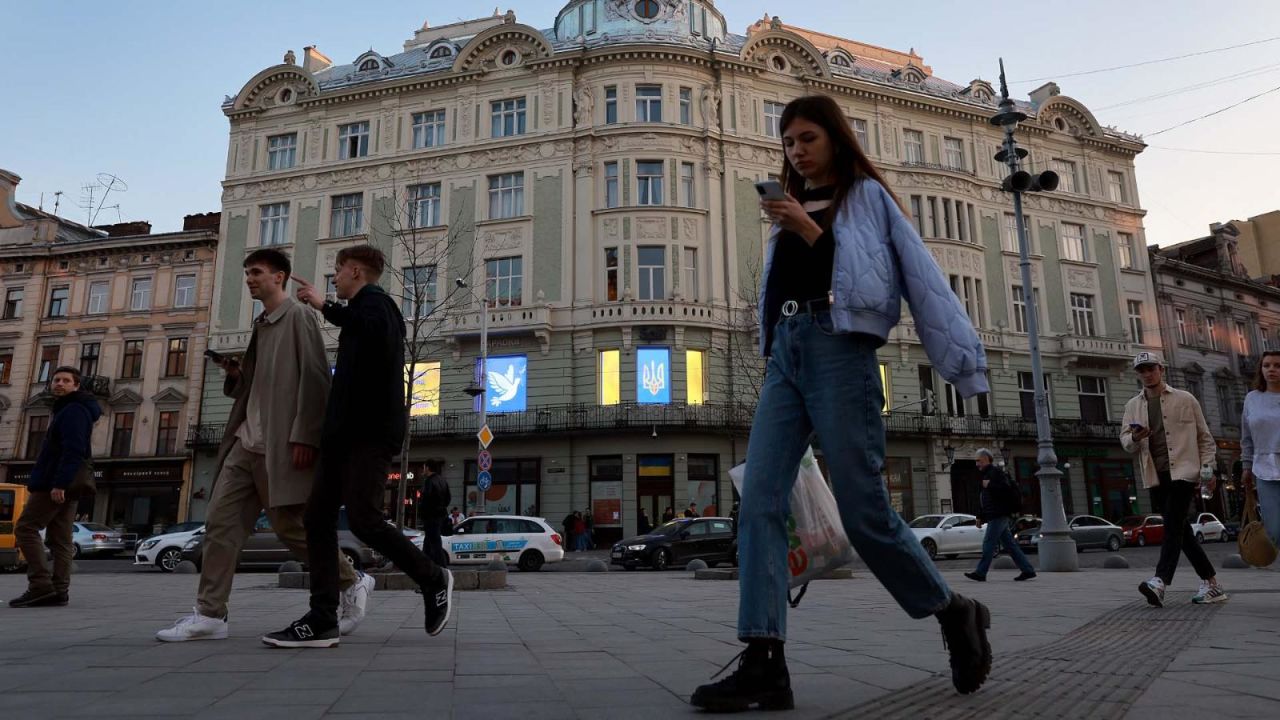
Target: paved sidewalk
(635,644)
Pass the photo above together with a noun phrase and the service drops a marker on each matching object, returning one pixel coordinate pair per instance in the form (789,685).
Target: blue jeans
(1269,507)
(998,534)
(818,381)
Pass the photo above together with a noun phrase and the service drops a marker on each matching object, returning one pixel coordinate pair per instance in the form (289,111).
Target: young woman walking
(840,256)
(1260,444)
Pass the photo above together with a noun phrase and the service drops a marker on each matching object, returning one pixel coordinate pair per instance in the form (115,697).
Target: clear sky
(133,88)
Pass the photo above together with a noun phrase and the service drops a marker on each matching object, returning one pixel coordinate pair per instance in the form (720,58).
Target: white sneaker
(354,601)
(194,627)
(1153,591)
(1210,592)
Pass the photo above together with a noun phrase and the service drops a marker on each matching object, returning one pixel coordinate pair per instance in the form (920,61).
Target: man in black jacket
(364,428)
(434,510)
(50,505)
(999,501)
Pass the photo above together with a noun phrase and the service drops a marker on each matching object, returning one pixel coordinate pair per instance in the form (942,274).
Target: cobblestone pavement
(635,645)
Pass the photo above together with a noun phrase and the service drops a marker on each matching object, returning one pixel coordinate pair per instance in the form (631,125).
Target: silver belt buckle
(790,308)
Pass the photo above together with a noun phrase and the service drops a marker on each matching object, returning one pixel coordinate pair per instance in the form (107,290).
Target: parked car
(948,535)
(1143,530)
(165,550)
(1207,527)
(96,539)
(1088,531)
(527,541)
(1231,531)
(710,539)
(264,550)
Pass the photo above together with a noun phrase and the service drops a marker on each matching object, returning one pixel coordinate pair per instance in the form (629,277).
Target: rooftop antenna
(57,200)
(110,183)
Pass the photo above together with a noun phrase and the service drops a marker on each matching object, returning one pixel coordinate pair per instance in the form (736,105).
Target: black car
(263,549)
(710,539)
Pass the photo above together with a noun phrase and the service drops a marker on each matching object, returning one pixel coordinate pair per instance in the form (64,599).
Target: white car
(165,550)
(1208,527)
(948,535)
(526,541)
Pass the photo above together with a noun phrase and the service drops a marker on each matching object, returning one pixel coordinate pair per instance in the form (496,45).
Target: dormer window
(370,64)
(840,61)
(443,51)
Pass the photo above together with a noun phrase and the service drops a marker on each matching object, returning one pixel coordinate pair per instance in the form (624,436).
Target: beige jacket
(1190,443)
(287,362)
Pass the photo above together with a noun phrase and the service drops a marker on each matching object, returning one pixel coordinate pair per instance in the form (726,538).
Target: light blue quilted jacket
(879,258)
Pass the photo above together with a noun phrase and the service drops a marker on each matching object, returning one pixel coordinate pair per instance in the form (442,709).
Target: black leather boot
(761,679)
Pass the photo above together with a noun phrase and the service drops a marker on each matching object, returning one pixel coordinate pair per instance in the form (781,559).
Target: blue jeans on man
(998,533)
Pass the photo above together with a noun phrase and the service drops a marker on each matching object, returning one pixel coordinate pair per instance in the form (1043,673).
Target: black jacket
(66,445)
(436,497)
(366,400)
(997,497)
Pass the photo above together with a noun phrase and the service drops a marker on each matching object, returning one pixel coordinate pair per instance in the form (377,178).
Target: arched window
(442,52)
(840,61)
(647,9)
(370,64)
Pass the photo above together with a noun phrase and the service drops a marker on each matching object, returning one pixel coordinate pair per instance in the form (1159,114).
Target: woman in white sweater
(1260,445)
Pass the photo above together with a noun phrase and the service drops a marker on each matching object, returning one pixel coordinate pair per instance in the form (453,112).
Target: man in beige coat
(1165,428)
(269,450)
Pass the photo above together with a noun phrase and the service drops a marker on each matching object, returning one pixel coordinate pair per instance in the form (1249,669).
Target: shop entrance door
(655,485)
(966,487)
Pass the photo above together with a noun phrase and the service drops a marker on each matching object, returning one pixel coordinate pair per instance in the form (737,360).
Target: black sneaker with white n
(436,601)
(303,633)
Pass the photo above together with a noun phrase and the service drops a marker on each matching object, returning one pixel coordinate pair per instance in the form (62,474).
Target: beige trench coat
(287,361)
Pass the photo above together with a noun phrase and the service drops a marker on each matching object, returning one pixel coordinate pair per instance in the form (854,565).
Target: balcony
(731,419)
(1078,348)
(920,165)
(502,321)
(997,426)
(205,436)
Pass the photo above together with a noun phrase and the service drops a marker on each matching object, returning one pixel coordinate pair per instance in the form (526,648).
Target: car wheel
(352,557)
(661,559)
(76,547)
(930,547)
(1222,537)
(1200,538)
(1142,541)
(530,561)
(1113,543)
(168,559)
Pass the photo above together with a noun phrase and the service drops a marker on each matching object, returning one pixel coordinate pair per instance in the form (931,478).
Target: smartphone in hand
(770,190)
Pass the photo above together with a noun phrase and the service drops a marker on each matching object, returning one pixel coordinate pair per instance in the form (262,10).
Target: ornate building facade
(130,309)
(595,180)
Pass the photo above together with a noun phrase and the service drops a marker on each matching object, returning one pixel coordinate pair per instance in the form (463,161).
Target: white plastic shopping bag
(816,539)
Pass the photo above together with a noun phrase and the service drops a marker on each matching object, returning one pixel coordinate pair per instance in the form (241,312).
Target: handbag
(1255,547)
(83,483)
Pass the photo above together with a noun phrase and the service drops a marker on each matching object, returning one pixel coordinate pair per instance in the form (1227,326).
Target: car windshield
(1131,521)
(671,528)
(926,521)
(96,527)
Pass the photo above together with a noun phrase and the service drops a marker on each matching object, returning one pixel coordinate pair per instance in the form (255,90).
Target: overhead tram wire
(1215,152)
(1215,112)
(1197,86)
(1147,62)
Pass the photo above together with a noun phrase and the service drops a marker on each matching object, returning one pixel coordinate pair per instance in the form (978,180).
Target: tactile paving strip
(1096,671)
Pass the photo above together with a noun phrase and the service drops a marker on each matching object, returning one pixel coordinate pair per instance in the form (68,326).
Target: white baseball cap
(1146,358)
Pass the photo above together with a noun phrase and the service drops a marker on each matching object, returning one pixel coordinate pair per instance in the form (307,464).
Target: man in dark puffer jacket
(50,507)
(997,505)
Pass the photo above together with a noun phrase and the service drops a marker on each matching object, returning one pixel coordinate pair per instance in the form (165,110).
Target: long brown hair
(1259,381)
(849,163)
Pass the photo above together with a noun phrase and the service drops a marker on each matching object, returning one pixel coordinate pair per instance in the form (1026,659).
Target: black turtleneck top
(800,271)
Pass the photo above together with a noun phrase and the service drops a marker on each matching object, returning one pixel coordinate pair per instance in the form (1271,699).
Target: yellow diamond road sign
(485,436)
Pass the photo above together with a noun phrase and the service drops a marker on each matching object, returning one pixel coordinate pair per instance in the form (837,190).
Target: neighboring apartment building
(596,179)
(1254,245)
(131,310)
(1215,322)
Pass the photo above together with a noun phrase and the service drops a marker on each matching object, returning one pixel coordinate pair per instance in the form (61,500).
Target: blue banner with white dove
(505,388)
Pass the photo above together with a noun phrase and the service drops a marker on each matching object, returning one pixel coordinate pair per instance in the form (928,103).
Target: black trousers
(432,543)
(1172,499)
(354,475)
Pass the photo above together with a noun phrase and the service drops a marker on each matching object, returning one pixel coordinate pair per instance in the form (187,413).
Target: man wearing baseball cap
(1166,429)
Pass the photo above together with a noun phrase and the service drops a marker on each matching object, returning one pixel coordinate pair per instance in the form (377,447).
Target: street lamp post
(478,391)
(1057,550)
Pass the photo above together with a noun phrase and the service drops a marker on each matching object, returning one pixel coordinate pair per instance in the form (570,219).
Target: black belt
(813,307)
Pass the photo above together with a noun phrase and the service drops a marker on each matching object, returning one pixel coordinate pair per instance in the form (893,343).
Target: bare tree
(423,247)
(740,355)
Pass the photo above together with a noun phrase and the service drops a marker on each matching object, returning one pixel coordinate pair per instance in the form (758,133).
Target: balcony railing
(997,426)
(205,436)
(937,166)
(720,418)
